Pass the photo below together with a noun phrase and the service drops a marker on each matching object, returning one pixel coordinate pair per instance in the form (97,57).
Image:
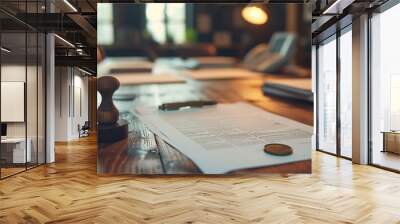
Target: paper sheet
(129,64)
(228,137)
(147,78)
(222,73)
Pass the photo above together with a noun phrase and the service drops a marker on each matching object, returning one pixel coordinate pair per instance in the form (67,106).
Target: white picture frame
(12,101)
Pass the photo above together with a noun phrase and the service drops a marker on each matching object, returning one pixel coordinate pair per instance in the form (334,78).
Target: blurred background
(189,30)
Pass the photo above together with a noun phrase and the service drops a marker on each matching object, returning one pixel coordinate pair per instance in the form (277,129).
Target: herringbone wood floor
(71,192)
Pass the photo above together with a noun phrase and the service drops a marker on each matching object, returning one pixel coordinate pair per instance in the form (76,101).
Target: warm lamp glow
(254,15)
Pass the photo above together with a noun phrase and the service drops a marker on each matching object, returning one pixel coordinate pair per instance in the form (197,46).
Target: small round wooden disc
(278,149)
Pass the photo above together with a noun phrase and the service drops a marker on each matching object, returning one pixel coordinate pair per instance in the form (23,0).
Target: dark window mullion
(317,96)
(369,81)
(338,95)
(37,91)
(26,87)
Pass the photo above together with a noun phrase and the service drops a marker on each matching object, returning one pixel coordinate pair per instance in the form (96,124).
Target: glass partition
(31,97)
(22,67)
(41,97)
(327,96)
(13,94)
(385,89)
(346,93)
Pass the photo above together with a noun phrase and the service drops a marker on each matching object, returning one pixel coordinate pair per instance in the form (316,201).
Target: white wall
(61,103)
(15,73)
(71,94)
(80,112)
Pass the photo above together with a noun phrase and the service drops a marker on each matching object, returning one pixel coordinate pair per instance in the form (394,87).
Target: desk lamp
(254,15)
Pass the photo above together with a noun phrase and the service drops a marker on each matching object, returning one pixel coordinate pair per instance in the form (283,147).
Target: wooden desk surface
(144,153)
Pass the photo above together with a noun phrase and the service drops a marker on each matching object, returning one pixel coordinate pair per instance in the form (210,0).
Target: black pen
(187,104)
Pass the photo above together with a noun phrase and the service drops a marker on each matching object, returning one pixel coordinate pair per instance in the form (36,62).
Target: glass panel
(314,84)
(23,91)
(31,98)
(346,94)
(327,96)
(13,85)
(41,99)
(31,90)
(385,86)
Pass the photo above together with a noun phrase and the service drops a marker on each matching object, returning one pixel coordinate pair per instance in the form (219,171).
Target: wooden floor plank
(70,191)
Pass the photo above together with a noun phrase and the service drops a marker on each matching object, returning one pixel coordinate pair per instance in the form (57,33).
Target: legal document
(228,137)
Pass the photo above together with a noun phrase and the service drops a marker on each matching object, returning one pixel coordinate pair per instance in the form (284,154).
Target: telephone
(271,58)
(266,58)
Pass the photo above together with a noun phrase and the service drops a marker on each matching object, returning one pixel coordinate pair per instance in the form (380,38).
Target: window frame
(167,21)
(333,37)
(381,9)
(109,22)
(25,30)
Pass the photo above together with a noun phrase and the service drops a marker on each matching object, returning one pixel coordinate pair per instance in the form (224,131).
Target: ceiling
(74,22)
(332,15)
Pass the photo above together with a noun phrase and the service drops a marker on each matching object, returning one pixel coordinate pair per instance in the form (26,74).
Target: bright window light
(105,24)
(166,22)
